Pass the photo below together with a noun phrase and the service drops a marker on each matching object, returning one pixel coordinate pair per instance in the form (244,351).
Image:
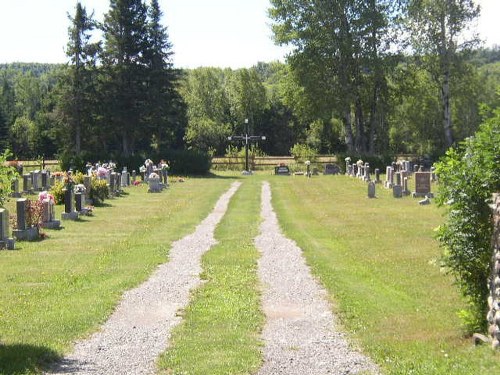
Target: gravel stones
(139,329)
(299,335)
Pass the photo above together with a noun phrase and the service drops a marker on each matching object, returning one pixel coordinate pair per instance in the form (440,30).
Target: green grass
(380,264)
(377,258)
(220,332)
(64,287)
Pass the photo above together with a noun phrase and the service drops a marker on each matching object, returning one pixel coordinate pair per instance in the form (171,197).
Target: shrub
(468,175)
(184,162)
(58,192)
(7,172)
(302,152)
(99,190)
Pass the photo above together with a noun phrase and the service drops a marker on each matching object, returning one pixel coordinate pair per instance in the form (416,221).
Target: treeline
(345,87)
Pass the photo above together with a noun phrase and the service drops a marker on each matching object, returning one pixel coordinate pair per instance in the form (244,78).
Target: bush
(58,192)
(185,162)
(99,190)
(468,176)
(302,152)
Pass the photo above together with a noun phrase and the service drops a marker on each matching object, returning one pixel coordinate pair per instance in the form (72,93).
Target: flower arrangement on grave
(102,172)
(68,180)
(164,166)
(80,188)
(348,159)
(359,163)
(137,183)
(142,169)
(148,162)
(46,196)
(307,162)
(154,176)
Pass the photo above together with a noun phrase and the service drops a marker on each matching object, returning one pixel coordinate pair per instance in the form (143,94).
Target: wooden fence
(266,162)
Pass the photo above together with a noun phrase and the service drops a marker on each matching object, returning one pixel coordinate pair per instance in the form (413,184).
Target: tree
(468,176)
(437,28)
(339,58)
(125,46)
(165,108)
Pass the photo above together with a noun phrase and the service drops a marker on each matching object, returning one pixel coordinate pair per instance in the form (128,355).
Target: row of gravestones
(397,179)
(74,202)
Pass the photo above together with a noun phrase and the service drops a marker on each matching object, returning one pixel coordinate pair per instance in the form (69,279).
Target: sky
(223,33)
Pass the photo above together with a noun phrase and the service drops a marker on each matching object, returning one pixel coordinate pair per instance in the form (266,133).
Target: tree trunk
(348,130)
(125,145)
(445,94)
(360,127)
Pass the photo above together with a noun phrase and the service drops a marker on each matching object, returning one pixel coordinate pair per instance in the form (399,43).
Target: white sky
(224,33)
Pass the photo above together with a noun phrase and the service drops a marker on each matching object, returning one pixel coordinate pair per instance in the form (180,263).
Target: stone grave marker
(371,189)
(366,176)
(389,177)
(48,216)
(15,188)
(423,184)
(69,206)
(23,232)
(5,241)
(45,180)
(134,175)
(377,176)
(331,169)
(282,170)
(155,186)
(26,183)
(397,191)
(406,191)
(37,180)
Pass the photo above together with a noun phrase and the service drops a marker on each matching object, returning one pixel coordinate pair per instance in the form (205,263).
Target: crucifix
(247,138)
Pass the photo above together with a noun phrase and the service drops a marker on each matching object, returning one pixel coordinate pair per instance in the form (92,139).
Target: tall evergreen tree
(124,62)
(77,90)
(164,104)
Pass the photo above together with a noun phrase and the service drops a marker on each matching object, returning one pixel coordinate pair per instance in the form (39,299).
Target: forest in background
(120,97)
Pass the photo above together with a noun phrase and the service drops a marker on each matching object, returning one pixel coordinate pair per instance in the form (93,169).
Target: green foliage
(184,162)
(58,192)
(302,152)
(468,176)
(99,190)
(7,172)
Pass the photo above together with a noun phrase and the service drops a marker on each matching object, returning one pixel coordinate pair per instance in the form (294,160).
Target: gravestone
(37,180)
(354,170)
(422,185)
(23,232)
(48,215)
(389,177)
(377,176)
(399,180)
(69,205)
(112,182)
(124,177)
(15,188)
(5,241)
(406,191)
(397,191)
(371,189)
(433,174)
(282,170)
(80,202)
(155,186)
(134,175)
(45,180)
(52,180)
(331,169)
(87,182)
(26,183)
(366,176)
(415,168)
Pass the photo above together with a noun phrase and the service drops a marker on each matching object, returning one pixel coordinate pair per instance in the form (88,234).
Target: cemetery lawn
(64,287)
(220,333)
(381,266)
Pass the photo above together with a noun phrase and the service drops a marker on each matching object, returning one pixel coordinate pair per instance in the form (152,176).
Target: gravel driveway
(138,331)
(300,335)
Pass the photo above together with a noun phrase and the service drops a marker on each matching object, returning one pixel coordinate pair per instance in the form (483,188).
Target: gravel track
(139,329)
(300,336)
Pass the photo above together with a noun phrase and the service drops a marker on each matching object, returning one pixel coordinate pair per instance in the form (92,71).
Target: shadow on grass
(103,204)
(212,175)
(21,358)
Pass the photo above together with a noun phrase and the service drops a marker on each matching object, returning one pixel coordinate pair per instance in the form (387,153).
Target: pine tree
(77,99)
(125,46)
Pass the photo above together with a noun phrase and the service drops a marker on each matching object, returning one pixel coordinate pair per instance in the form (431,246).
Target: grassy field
(222,323)
(380,264)
(64,287)
(376,257)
